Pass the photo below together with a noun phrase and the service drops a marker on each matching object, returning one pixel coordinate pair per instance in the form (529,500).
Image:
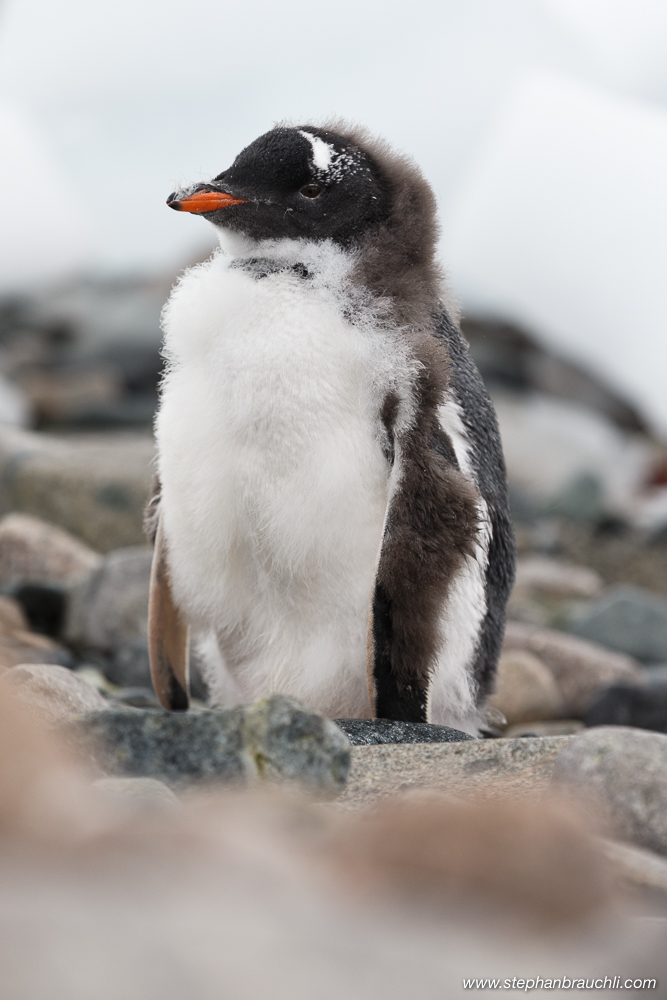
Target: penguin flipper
(167,634)
(431,526)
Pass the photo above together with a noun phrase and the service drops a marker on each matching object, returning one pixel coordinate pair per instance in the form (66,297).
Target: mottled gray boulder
(272,739)
(368,732)
(287,740)
(628,619)
(620,775)
(111,606)
(173,747)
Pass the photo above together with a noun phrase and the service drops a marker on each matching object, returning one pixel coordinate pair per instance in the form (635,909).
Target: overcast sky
(136,96)
(542,125)
(132,97)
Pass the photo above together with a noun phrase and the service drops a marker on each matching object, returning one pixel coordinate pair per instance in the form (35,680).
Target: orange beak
(205,201)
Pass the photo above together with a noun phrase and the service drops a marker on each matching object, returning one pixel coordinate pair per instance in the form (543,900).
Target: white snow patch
(322,151)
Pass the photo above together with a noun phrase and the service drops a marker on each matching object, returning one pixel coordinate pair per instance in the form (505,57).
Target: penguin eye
(311,191)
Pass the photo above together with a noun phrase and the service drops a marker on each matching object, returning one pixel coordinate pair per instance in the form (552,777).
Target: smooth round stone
(366,732)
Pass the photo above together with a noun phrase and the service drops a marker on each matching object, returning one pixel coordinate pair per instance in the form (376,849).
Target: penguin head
(298,183)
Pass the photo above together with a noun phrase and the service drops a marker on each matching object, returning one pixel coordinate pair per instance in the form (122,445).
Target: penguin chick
(332,517)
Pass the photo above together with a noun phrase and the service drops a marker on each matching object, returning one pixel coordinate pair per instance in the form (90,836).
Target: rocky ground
(579,714)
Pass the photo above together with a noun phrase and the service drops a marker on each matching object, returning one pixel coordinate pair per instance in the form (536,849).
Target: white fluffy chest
(274,481)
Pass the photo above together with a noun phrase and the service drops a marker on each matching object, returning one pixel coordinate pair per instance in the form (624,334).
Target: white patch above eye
(322,151)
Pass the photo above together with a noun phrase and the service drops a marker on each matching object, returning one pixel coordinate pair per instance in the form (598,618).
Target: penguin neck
(399,286)
(317,256)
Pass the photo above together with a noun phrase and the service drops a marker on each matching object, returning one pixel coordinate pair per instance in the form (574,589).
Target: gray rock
(172,747)
(368,732)
(555,578)
(64,393)
(111,606)
(580,668)
(129,665)
(551,727)
(18,647)
(471,768)
(628,619)
(620,775)
(623,705)
(53,692)
(655,674)
(138,792)
(581,499)
(525,688)
(288,741)
(94,486)
(32,551)
(272,739)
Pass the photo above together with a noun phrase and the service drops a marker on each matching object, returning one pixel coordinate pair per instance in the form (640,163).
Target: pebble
(368,732)
(525,689)
(580,668)
(552,727)
(19,646)
(66,394)
(476,768)
(111,606)
(620,775)
(555,578)
(628,619)
(32,551)
(53,692)
(94,486)
(271,739)
(624,705)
